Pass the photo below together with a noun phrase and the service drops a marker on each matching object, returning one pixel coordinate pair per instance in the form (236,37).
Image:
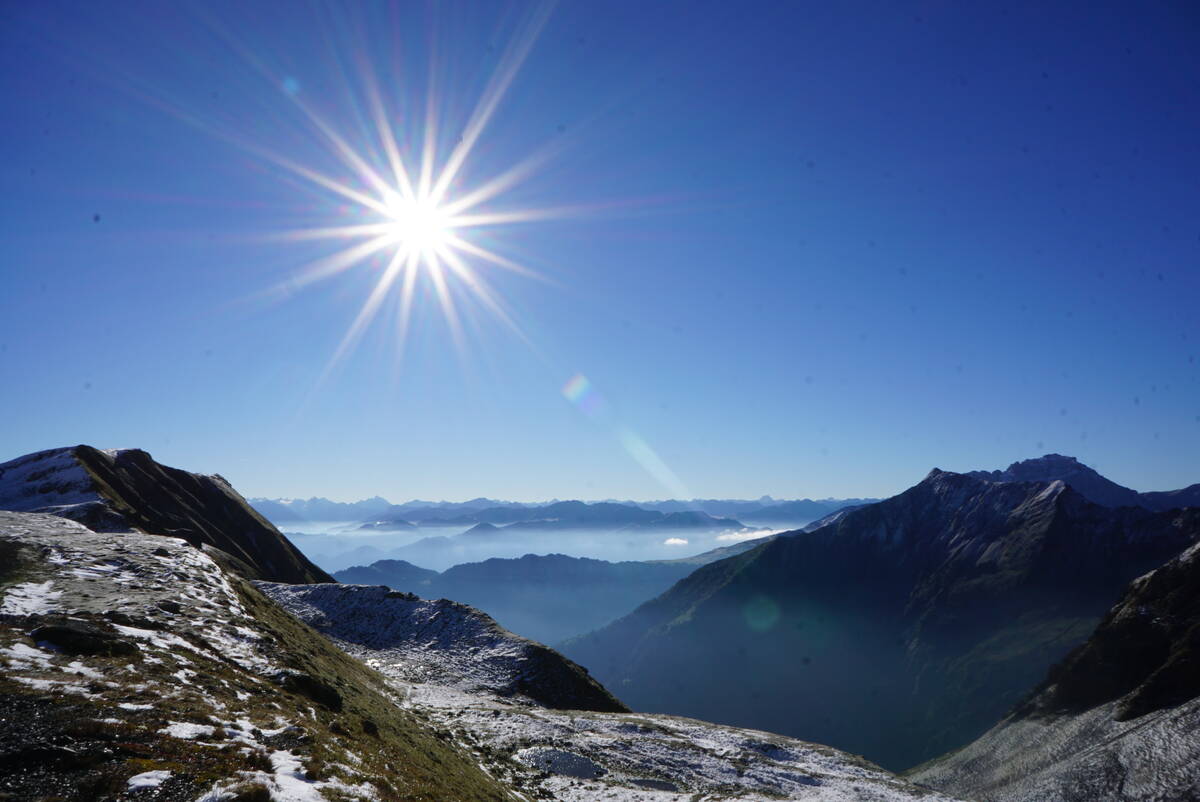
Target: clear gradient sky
(820,247)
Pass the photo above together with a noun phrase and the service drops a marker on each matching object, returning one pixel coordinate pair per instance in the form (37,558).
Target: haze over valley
(446,534)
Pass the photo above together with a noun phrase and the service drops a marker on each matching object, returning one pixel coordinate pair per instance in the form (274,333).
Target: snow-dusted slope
(459,669)
(55,482)
(131,662)
(441,643)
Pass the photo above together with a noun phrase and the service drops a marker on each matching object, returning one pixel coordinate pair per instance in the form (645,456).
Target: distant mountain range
(377,514)
(284,511)
(900,629)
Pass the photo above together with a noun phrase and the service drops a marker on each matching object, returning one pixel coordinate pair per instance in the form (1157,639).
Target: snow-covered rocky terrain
(464,673)
(134,666)
(137,667)
(441,643)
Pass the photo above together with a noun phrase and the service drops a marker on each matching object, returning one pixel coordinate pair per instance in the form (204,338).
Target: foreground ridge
(138,666)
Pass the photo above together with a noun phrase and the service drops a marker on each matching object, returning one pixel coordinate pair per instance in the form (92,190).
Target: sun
(412,207)
(418,224)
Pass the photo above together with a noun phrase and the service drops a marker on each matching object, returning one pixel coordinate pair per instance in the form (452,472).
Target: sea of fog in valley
(334,545)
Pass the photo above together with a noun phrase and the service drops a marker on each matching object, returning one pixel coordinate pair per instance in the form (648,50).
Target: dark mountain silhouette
(127,490)
(901,629)
(1117,719)
(1172,499)
(396,574)
(1090,484)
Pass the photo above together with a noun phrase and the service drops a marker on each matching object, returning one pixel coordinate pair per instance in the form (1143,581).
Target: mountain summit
(1089,483)
(1051,467)
(126,490)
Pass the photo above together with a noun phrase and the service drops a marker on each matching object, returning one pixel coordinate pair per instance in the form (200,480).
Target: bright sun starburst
(415,220)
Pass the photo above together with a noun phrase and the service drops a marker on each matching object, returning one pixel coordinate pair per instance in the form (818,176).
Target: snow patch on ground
(148,779)
(288,782)
(187,731)
(30,598)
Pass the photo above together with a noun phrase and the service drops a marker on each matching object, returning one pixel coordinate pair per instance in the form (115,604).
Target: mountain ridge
(122,490)
(1088,482)
(958,605)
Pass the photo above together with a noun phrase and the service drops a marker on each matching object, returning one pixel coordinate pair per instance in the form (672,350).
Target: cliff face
(1116,719)
(126,490)
(899,630)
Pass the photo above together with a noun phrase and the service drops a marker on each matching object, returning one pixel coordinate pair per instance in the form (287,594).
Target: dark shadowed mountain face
(1087,482)
(899,631)
(1117,719)
(123,490)
(1090,484)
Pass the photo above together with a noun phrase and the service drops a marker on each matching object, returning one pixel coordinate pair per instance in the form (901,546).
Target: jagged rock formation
(126,490)
(900,630)
(1117,719)
(1090,484)
(136,666)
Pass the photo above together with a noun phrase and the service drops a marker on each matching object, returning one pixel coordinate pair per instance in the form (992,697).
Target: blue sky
(817,249)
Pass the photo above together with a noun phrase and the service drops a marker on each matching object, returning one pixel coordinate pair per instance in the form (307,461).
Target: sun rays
(425,231)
